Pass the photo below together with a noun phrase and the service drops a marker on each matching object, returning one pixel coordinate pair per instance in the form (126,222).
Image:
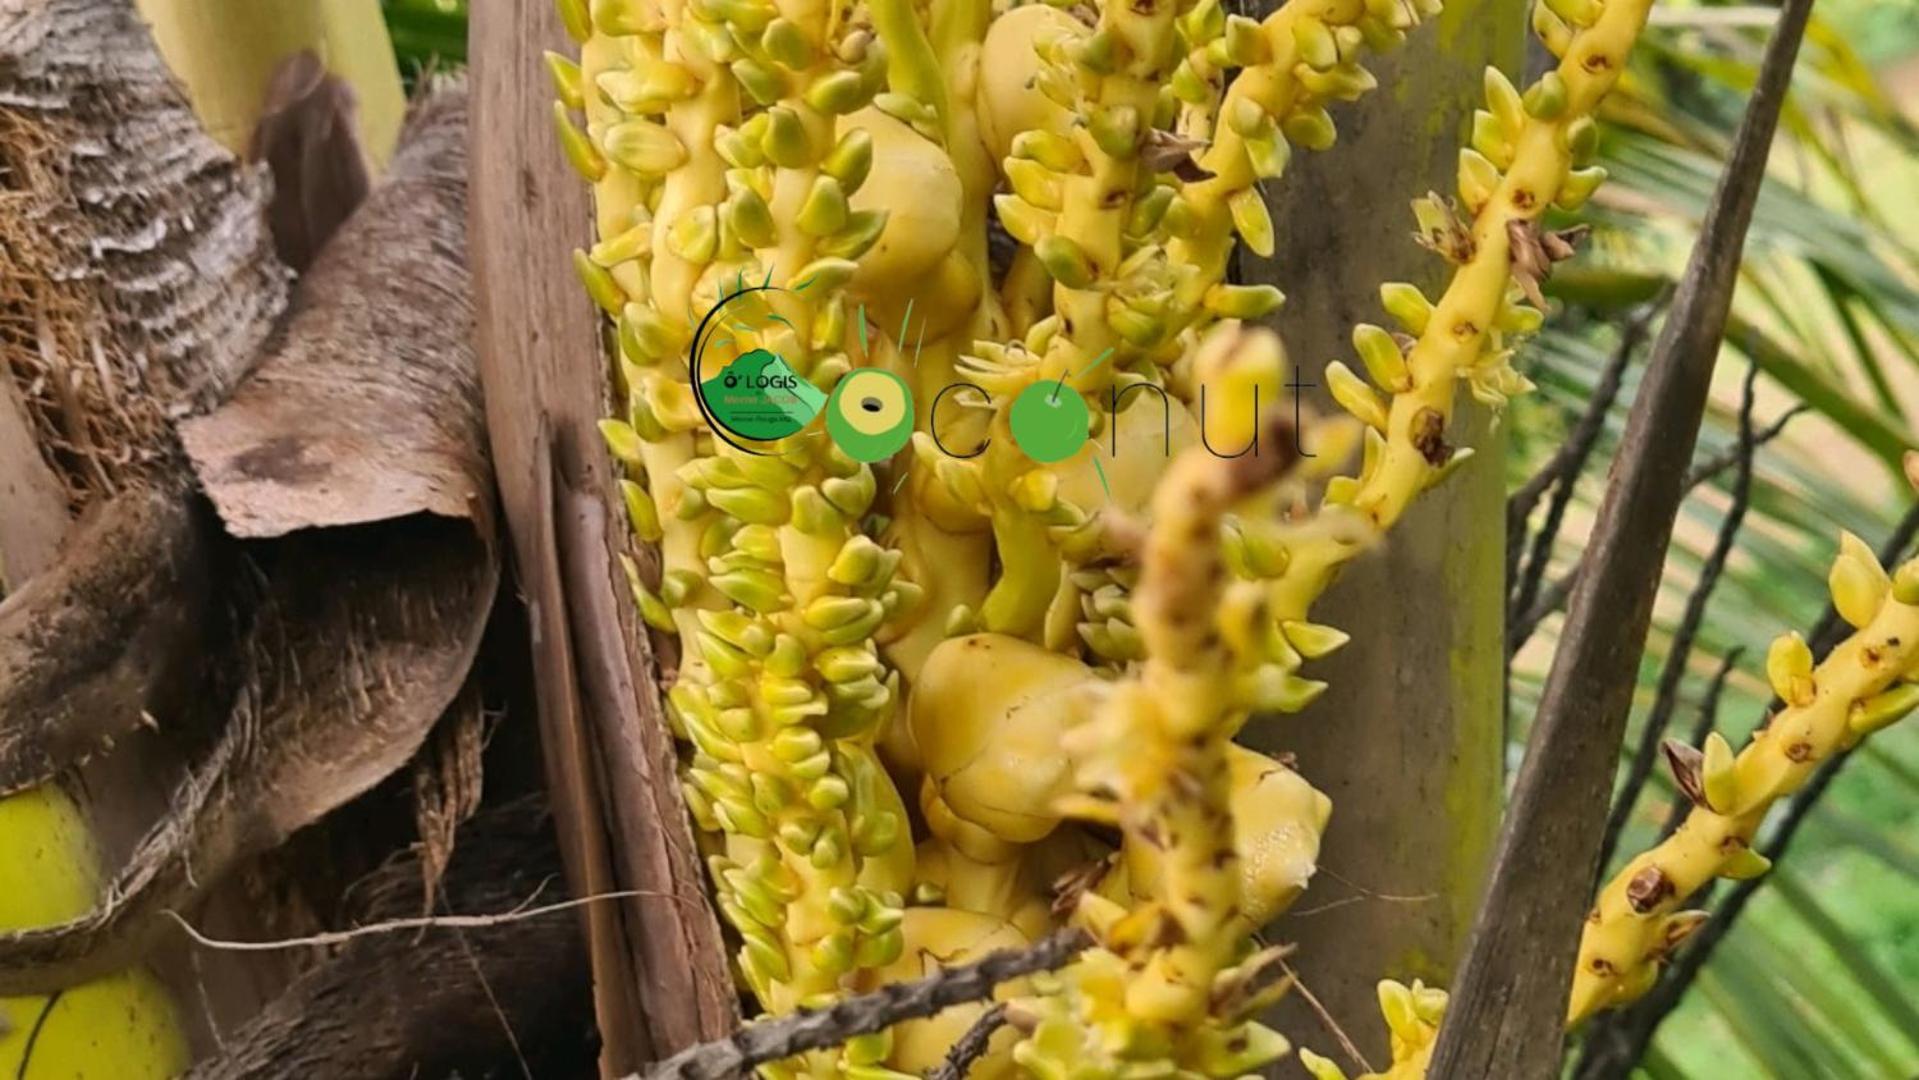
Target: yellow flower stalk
(1074,184)
(1171,984)
(1866,683)
(1026,637)
(1863,685)
(952,301)
(1530,150)
(1300,57)
(722,144)
(1136,250)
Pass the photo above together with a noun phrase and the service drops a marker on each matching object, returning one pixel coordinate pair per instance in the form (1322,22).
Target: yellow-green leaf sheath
(118,1028)
(226,54)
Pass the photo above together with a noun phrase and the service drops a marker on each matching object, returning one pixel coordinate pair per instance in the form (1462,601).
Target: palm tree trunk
(1408,739)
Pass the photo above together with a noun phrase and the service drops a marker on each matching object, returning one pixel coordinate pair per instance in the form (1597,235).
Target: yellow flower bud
(1353,395)
(1789,669)
(1858,583)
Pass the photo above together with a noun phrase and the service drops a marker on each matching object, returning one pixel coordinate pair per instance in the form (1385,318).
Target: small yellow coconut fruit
(988,716)
(915,184)
(1010,100)
(938,937)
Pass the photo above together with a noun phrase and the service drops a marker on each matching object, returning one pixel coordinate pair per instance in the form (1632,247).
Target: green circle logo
(870,415)
(1050,421)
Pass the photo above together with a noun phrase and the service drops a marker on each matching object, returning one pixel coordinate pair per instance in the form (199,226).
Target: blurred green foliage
(428,35)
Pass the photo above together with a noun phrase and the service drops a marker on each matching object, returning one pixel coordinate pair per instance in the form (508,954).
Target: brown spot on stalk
(1602,967)
(1799,752)
(1524,199)
(1648,889)
(1169,933)
(1596,62)
(1429,437)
